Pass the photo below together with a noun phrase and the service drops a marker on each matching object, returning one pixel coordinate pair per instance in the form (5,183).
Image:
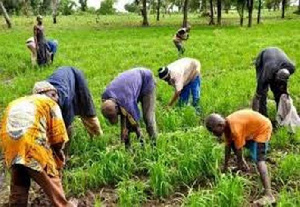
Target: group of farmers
(35,129)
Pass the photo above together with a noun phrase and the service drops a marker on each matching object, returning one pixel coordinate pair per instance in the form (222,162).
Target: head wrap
(283,75)
(42,86)
(163,73)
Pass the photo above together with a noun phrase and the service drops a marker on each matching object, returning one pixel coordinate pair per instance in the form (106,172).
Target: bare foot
(73,202)
(265,200)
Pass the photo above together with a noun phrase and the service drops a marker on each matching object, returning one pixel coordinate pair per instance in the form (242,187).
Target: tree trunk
(185,13)
(259,11)
(211,5)
(299,6)
(283,8)
(54,10)
(250,11)
(144,13)
(6,17)
(242,15)
(158,10)
(219,11)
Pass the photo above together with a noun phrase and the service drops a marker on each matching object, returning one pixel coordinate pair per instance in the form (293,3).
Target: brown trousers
(20,184)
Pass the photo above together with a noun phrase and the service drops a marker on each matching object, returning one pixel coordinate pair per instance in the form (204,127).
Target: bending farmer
(121,98)
(245,128)
(32,136)
(181,35)
(184,76)
(273,68)
(74,98)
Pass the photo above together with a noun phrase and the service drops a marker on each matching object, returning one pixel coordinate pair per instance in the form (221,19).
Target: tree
(67,7)
(131,7)
(259,11)
(219,11)
(107,7)
(144,13)
(211,5)
(158,10)
(185,13)
(83,5)
(54,10)
(283,8)
(4,13)
(250,11)
(227,5)
(241,8)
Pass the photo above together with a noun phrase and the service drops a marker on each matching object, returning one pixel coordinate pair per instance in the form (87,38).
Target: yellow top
(30,126)
(247,125)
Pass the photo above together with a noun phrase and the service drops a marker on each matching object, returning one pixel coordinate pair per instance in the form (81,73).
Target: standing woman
(40,41)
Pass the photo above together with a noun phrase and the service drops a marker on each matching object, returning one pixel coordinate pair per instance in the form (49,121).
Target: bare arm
(174,98)
(227,157)
(124,130)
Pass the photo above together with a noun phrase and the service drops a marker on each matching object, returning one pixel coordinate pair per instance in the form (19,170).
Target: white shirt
(183,71)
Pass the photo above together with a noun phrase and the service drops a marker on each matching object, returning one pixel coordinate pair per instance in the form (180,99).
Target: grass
(186,159)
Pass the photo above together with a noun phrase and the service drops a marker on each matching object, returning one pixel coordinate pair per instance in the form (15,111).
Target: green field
(184,168)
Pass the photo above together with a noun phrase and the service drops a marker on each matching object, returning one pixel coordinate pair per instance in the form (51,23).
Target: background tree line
(212,9)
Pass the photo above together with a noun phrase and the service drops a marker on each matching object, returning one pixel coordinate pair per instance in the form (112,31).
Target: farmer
(184,76)
(273,68)
(40,42)
(181,35)
(74,98)
(32,138)
(245,128)
(51,49)
(121,98)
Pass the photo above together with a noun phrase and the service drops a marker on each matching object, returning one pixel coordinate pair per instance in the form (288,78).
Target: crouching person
(74,98)
(245,128)
(121,98)
(51,46)
(32,136)
(184,76)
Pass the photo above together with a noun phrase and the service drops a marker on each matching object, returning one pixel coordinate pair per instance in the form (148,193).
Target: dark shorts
(258,151)
(179,46)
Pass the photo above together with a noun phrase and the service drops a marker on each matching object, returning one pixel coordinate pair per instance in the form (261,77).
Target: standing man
(184,76)
(181,35)
(74,98)
(121,98)
(273,68)
(245,128)
(32,137)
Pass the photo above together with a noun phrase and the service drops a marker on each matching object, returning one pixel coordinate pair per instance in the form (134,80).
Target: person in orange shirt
(32,138)
(245,128)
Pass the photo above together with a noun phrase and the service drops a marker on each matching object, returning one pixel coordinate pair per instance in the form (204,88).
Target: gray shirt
(268,63)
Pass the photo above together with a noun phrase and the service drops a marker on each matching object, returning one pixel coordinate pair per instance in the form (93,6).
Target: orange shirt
(247,125)
(30,126)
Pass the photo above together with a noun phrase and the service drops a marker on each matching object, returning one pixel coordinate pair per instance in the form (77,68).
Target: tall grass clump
(131,193)
(228,192)
(289,169)
(289,198)
(111,167)
(182,159)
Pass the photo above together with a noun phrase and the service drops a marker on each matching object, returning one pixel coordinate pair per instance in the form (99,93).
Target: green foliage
(283,138)
(186,156)
(131,193)
(289,168)
(131,7)
(289,198)
(67,7)
(228,192)
(106,7)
